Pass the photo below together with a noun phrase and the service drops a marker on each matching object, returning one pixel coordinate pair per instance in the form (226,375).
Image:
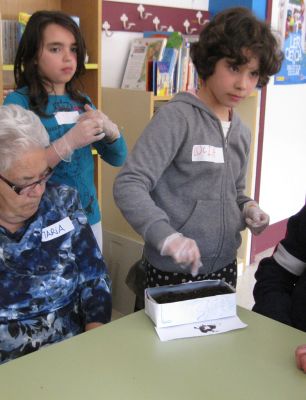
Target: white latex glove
(84,132)
(110,129)
(256,219)
(90,127)
(183,251)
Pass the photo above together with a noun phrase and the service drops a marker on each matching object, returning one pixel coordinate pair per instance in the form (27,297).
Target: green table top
(126,360)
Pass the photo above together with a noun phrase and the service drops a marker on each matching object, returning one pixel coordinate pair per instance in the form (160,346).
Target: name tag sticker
(66,117)
(205,152)
(56,230)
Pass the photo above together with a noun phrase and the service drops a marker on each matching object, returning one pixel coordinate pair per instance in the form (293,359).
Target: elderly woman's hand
(92,325)
(300,357)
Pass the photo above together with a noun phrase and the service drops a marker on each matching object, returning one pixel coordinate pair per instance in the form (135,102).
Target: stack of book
(160,62)
(9,40)
(12,30)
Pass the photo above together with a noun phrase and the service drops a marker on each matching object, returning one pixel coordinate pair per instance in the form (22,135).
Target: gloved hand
(107,126)
(183,251)
(90,127)
(256,219)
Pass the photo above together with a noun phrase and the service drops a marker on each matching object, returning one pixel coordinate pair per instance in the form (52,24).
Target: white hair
(20,131)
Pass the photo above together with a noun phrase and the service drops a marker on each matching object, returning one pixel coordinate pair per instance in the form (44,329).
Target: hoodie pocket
(204,226)
(234,224)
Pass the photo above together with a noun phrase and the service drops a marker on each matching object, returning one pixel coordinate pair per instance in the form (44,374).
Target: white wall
(283,178)
(115,50)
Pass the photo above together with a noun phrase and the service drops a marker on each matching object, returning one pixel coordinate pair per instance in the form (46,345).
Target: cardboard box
(211,307)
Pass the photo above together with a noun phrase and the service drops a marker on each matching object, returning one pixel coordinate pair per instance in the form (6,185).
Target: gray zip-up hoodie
(183,176)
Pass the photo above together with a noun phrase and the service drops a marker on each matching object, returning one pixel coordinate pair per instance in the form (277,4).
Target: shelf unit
(132,110)
(90,15)
(1,59)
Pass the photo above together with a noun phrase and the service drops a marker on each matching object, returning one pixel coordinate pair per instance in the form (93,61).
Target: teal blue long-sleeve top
(79,173)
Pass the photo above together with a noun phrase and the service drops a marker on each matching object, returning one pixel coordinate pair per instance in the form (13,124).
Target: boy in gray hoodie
(182,187)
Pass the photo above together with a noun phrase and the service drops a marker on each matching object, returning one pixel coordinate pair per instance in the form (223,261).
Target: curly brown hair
(228,35)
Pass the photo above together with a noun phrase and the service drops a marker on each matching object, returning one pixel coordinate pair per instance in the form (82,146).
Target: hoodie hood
(195,101)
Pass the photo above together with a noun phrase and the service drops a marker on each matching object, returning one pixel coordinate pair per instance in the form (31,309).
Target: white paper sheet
(204,328)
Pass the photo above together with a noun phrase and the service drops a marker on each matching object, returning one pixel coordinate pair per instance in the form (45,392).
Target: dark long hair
(231,32)
(26,69)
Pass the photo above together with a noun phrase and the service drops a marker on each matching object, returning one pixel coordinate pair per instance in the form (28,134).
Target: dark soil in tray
(172,297)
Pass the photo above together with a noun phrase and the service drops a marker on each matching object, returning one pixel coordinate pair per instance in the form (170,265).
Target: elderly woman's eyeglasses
(28,188)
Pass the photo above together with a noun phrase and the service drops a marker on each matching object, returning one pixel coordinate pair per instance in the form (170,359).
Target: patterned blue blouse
(53,280)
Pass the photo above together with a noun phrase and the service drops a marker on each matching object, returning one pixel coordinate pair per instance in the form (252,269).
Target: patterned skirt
(156,277)
(149,276)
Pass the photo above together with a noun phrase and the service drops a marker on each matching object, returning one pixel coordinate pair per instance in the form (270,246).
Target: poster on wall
(291,29)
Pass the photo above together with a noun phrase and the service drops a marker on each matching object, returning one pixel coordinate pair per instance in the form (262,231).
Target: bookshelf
(132,110)
(90,23)
(1,59)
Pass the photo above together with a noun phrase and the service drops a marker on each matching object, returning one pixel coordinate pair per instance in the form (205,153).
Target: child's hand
(300,357)
(85,132)
(90,127)
(183,250)
(256,219)
(108,127)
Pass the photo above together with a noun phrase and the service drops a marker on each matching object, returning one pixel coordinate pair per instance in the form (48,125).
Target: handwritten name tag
(205,152)
(66,117)
(56,230)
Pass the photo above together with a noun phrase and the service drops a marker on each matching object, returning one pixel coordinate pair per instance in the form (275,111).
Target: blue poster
(292,31)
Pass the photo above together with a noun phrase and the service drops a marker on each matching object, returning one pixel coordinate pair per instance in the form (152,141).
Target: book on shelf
(167,71)
(151,76)
(9,40)
(162,79)
(175,72)
(171,57)
(156,34)
(151,84)
(12,31)
(185,58)
(142,52)
(23,19)
(186,77)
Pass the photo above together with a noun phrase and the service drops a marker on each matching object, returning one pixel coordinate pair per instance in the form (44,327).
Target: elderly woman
(53,280)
